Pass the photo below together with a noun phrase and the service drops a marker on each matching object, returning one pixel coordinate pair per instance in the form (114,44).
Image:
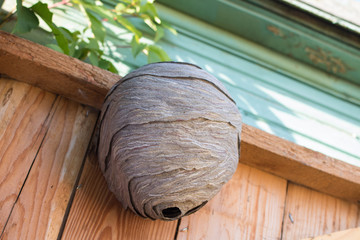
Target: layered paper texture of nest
(169,139)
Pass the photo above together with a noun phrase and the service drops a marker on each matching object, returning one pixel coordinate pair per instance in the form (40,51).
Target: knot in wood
(169,139)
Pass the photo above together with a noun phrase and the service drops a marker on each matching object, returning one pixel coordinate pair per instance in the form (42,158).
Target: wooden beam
(81,82)
(299,164)
(40,66)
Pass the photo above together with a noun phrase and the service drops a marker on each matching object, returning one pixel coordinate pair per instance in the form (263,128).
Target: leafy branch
(75,44)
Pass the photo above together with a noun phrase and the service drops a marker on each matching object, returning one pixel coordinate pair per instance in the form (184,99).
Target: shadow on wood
(96,214)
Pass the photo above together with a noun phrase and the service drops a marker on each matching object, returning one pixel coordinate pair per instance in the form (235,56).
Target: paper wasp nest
(169,139)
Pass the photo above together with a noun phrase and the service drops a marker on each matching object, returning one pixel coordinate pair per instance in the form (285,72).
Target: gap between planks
(96,213)
(283,218)
(46,124)
(91,147)
(24,120)
(81,82)
(225,198)
(53,174)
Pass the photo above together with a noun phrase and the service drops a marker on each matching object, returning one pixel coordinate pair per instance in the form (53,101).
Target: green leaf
(89,1)
(148,8)
(107,65)
(70,36)
(159,34)
(157,54)
(157,20)
(150,23)
(136,46)
(72,48)
(128,25)
(42,10)
(61,40)
(150,11)
(104,64)
(26,19)
(94,58)
(120,7)
(169,27)
(94,45)
(81,53)
(1,3)
(96,27)
(67,33)
(73,39)
(101,11)
(113,18)
(112,68)
(55,47)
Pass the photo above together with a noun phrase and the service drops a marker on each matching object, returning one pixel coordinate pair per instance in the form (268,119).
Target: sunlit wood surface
(46,195)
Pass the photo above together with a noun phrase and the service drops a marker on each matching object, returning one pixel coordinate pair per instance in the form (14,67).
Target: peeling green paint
(253,20)
(321,57)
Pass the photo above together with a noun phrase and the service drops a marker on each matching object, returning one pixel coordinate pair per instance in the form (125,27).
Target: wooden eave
(37,65)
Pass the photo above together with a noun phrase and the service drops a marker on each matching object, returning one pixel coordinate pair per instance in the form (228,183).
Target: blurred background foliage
(87,42)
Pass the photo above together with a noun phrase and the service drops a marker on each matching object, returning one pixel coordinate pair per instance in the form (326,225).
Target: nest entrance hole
(171,212)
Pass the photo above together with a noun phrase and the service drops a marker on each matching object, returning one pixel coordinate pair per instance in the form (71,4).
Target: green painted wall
(252,19)
(272,99)
(273,92)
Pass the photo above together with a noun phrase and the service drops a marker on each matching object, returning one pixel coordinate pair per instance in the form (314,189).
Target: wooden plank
(96,214)
(299,164)
(249,206)
(350,234)
(309,213)
(24,120)
(39,211)
(259,149)
(52,71)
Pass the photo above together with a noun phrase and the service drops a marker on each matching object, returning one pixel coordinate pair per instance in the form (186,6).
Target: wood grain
(86,84)
(96,214)
(299,164)
(249,206)
(24,119)
(309,213)
(39,211)
(350,234)
(52,71)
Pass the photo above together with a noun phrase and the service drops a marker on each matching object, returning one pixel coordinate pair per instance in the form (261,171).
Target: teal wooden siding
(278,98)
(259,21)
(270,98)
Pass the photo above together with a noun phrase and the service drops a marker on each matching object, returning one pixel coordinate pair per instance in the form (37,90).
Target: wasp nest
(169,139)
